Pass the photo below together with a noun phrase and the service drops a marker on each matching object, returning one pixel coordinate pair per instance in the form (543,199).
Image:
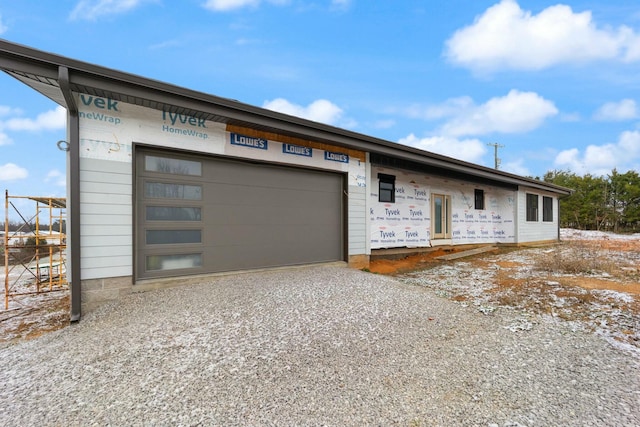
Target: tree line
(31,226)
(610,203)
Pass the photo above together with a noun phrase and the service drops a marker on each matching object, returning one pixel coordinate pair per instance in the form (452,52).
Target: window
(479,199)
(532,207)
(547,209)
(387,188)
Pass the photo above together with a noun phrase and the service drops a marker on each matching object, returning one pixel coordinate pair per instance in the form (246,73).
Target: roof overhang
(42,71)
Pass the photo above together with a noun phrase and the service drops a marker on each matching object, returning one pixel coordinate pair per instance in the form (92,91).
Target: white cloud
(340,4)
(226,5)
(517,167)
(4,139)
(3,28)
(12,172)
(516,112)
(570,117)
(507,37)
(49,120)
(320,110)
(633,50)
(56,177)
(92,9)
(629,143)
(451,107)
(6,110)
(470,150)
(618,111)
(602,159)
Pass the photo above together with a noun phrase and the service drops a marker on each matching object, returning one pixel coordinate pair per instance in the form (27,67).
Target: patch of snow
(520,325)
(486,309)
(573,234)
(614,295)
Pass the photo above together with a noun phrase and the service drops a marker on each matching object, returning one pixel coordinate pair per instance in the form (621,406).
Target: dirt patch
(409,263)
(616,245)
(35,315)
(594,284)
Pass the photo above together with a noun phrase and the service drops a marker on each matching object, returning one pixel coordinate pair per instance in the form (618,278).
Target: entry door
(441,216)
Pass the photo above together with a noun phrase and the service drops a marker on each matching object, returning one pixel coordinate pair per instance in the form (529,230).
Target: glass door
(441,216)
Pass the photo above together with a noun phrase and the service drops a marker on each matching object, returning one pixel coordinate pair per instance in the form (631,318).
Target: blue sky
(557,85)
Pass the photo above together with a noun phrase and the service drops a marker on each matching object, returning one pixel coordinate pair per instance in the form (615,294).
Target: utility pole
(495,153)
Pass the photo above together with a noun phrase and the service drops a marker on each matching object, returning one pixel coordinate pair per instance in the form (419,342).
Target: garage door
(201,215)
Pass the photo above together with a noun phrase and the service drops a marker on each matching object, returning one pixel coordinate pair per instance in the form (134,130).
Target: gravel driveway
(314,346)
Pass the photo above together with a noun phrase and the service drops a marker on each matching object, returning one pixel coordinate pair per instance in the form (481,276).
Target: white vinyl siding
(536,231)
(357,220)
(105,218)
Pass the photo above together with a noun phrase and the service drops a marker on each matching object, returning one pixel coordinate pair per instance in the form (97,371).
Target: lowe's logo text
(336,157)
(247,141)
(297,150)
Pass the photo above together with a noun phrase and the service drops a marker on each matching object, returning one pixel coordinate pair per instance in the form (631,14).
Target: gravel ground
(314,346)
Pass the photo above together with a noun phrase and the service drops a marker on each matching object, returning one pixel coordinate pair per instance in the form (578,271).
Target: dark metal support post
(73,202)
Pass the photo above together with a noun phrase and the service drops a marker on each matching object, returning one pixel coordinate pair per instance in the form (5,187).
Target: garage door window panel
(163,190)
(172,166)
(173,262)
(173,237)
(173,213)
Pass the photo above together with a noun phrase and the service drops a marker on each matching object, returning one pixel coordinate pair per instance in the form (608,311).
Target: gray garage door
(200,215)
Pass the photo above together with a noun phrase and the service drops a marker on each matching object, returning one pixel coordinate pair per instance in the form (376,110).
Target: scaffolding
(34,253)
